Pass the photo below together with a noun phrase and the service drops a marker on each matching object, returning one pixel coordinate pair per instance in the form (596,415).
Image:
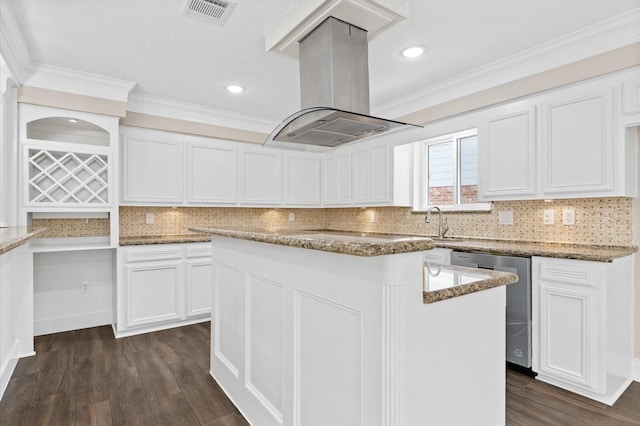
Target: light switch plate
(548,217)
(505,217)
(372,217)
(568,216)
(149,218)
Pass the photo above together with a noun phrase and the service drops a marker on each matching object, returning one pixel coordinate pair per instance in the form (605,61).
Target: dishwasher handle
(483,266)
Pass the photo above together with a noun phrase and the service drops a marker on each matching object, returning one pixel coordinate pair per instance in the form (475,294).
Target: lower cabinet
(582,325)
(163,286)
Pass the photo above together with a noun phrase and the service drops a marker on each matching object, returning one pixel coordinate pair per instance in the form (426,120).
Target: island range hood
(334,80)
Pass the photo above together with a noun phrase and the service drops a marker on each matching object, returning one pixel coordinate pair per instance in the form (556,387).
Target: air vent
(212,11)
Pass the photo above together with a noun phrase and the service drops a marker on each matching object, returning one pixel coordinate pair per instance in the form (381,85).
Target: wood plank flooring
(86,377)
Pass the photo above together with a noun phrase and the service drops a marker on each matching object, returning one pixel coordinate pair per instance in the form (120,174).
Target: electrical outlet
(568,216)
(372,217)
(505,218)
(292,217)
(149,219)
(548,217)
(84,287)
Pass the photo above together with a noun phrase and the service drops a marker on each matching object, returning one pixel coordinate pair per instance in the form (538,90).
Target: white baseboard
(7,368)
(635,369)
(158,327)
(75,322)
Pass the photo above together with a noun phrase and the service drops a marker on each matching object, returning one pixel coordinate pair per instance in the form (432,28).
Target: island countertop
(15,236)
(443,282)
(352,243)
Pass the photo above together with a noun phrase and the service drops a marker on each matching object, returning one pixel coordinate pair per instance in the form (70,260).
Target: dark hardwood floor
(86,377)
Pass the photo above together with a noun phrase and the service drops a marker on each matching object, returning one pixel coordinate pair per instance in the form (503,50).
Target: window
(448,175)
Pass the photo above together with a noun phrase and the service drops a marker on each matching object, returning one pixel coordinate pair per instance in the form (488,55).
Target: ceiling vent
(212,11)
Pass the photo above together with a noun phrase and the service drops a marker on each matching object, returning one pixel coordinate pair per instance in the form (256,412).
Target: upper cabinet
(577,144)
(302,179)
(152,168)
(260,176)
(508,153)
(211,173)
(67,159)
(368,173)
(573,142)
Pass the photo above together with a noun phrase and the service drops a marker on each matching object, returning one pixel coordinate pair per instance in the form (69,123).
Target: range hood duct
(334,91)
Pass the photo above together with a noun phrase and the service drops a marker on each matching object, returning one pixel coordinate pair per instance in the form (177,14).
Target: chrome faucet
(442,229)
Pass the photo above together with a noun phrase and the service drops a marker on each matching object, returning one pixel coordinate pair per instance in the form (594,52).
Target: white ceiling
(179,58)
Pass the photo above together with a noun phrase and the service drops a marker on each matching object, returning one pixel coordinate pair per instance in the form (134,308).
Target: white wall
(59,303)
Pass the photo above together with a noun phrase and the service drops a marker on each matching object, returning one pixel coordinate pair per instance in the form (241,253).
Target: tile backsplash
(597,220)
(61,228)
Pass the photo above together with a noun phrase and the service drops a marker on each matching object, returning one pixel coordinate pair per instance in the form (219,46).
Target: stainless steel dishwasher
(518,300)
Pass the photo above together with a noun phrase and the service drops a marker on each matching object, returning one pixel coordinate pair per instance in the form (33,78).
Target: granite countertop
(443,282)
(592,252)
(191,237)
(15,236)
(353,243)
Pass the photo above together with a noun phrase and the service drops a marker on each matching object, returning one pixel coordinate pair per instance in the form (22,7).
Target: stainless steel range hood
(334,79)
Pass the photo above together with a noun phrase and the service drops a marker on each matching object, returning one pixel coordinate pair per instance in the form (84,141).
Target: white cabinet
(198,283)
(260,176)
(153,292)
(438,255)
(301,179)
(163,286)
(212,173)
(361,174)
(336,178)
(370,173)
(572,143)
(582,325)
(577,143)
(152,169)
(507,164)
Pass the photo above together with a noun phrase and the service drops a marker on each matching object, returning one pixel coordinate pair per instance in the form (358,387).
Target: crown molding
(164,107)
(599,38)
(12,45)
(79,82)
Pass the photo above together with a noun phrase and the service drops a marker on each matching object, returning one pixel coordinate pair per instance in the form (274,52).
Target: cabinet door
(212,174)
(379,174)
(153,292)
(508,155)
(329,179)
(567,316)
(261,177)
(361,168)
(336,178)
(152,171)
(302,179)
(577,145)
(199,284)
(567,342)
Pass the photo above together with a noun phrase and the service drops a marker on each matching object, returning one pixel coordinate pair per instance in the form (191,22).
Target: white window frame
(421,172)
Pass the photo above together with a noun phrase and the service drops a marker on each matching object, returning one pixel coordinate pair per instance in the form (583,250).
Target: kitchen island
(317,328)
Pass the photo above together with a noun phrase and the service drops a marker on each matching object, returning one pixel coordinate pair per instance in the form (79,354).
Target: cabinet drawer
(199,250)
(581,274)
(156,253)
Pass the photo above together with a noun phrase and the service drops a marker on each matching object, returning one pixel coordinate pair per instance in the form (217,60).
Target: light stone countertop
(15,236)
(590,252)
(141,240)
(352,243)
(443,282)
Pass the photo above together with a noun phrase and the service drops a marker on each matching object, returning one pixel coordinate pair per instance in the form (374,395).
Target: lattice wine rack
(57,177)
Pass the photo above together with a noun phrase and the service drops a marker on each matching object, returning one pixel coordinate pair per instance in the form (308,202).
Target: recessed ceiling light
(73,120)
(233,88)
(413,52)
